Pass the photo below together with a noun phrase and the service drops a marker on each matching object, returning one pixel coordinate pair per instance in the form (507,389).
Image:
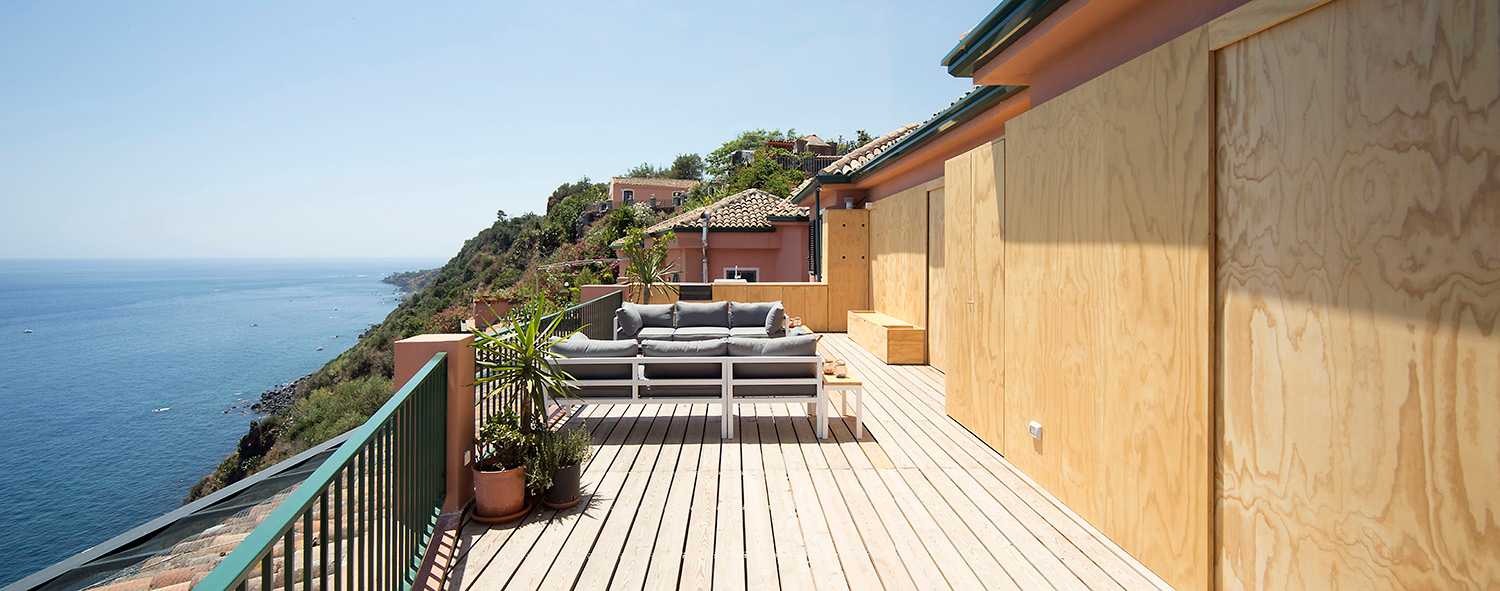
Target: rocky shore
(274,400)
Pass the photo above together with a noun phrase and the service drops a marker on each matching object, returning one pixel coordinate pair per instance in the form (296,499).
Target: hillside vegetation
(500,259)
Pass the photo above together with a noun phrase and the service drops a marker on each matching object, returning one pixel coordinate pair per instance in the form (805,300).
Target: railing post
(411,355)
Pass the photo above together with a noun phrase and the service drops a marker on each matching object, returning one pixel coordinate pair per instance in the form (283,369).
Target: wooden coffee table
(849,384)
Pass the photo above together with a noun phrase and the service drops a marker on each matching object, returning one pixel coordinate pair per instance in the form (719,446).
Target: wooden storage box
(894,341)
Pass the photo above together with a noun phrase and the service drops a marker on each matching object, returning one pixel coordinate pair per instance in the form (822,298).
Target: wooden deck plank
(793,568)
(609,547)
(760,566)
(498,572)
(666,556)
(554,540)
(1100,568)
(698,553)
(640,545)
(918,502)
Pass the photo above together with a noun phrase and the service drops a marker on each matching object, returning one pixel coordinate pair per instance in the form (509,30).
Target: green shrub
(330,411)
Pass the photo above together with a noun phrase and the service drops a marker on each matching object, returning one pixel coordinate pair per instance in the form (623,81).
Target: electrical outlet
(1035,429)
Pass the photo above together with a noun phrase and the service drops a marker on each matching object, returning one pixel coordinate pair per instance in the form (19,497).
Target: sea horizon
(127,379)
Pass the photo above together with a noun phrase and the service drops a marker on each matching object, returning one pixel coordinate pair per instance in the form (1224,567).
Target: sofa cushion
(742,314)
(582,347)
(749,332)
(654,315)
(803,346)
(627,322)
(699,333)
(656,333)
(776,321)
(713,348)
(703,314)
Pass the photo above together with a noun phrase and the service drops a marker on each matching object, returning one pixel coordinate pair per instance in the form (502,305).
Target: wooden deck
(919,503)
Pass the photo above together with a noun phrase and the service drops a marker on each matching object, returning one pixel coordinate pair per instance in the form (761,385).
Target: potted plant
(521,360)
(500,470)
(563,453)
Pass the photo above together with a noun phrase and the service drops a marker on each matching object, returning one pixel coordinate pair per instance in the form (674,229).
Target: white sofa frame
(726,384)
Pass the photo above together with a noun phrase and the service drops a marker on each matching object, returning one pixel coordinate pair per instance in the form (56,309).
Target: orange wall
(643,193)
(780,255)
(1086,38)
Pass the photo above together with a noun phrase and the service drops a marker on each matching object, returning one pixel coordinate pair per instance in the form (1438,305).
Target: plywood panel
(1107,305)
(807,300)
(898,255)
(847,271)
(937,283)
(987,332)
(958,298)
(1359,289)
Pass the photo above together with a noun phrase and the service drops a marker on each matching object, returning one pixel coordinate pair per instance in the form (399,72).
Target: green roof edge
(996,31)
(973,104)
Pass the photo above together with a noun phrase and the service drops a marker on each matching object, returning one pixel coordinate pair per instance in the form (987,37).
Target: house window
(750,274)
(628,196)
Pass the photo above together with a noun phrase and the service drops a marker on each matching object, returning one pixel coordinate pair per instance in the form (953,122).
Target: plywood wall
(937,282)
(1358,176)
(846,264)
(898,255)
(1108,300)
(808,301)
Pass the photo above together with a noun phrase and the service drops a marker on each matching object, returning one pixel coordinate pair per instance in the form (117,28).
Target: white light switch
(1035,429)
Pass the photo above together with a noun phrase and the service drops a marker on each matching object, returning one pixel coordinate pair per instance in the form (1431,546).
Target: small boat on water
(320,348)
(27,331)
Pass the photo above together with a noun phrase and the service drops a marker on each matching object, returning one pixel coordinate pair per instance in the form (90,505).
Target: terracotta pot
(500,497)
(563,493)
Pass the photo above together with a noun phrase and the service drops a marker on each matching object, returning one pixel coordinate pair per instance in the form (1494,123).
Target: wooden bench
(893,340)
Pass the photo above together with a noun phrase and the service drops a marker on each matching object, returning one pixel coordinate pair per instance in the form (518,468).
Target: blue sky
(330,129)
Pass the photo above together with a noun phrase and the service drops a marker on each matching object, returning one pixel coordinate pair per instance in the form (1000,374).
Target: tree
(646,170)
(763,172)
(687,167)
(719,159)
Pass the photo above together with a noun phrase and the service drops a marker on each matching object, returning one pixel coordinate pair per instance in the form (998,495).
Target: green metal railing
(364,519)
(594,318)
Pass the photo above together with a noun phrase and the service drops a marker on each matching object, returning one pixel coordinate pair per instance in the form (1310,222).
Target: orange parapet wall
(411,355)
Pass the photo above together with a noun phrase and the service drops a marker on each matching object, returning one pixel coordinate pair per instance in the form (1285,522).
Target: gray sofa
(729,371)
(700,321)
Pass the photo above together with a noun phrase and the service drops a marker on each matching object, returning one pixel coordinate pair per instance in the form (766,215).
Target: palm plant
(521,359)
(647,266)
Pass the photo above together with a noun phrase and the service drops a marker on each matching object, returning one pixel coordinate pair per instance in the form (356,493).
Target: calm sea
(115,403)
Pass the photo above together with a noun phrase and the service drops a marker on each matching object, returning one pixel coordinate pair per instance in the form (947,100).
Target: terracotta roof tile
(673,183)
(751,209)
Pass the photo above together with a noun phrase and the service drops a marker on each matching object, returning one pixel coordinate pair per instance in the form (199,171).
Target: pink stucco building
(661,194)
(752,235)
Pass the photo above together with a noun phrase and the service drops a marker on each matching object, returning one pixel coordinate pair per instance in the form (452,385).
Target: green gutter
(976,102)
(997,31)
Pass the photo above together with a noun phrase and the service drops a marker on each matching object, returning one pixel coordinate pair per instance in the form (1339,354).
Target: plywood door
(987,333)
(937,283)
(1107,283)
(847,265)
(898,255)
(1358,172)
(958,297)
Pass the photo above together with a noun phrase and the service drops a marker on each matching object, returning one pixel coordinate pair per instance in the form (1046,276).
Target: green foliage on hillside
(530,253)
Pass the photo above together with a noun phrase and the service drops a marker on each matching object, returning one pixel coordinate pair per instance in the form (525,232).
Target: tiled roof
(674,183)
(751,209)
(859,157)
(187,562)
